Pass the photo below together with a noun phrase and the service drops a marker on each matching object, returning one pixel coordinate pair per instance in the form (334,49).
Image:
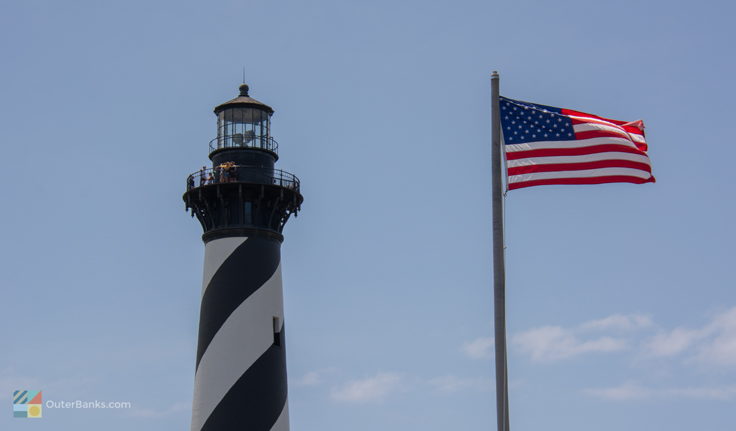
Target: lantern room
(243,122)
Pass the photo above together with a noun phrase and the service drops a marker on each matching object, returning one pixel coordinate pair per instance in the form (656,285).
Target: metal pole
(499,271)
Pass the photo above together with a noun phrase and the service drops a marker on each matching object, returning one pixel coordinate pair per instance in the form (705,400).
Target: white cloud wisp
(370,389)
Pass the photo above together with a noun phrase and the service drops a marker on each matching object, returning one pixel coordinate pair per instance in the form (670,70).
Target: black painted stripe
(241,274)
(256,400)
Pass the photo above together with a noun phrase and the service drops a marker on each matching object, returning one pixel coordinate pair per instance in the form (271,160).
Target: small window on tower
(276,330)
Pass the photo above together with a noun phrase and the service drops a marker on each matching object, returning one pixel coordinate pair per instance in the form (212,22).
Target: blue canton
(528,122)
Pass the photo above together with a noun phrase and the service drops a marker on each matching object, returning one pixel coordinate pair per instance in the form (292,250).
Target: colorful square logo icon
(27,404)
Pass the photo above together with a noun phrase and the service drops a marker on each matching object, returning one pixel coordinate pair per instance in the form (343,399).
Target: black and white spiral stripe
(240,381)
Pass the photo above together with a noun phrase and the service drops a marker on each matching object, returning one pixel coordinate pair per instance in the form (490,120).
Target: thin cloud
(706,393)
(480,348)
(549,343)
(630,391)
(625,392)
(371,389)
(712,344)
(720,347)
(451,384)
(672,342)
(312,378)
(621,322)
(315,377)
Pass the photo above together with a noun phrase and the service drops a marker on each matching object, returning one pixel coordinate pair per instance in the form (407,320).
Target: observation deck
(245,140)
(234,174)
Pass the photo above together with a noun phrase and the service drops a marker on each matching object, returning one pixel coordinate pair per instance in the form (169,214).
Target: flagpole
(499,270)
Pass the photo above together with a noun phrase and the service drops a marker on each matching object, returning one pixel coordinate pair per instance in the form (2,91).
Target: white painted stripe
(578,159)
(215,253)
(241,340)
(580,143)
(282,423)
(590,173)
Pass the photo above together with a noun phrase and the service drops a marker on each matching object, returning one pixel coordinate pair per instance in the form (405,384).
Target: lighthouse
(243,203)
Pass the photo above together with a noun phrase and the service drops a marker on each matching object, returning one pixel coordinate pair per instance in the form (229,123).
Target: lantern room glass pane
(243,127)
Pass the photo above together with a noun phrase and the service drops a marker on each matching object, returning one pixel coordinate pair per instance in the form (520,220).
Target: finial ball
(244,89)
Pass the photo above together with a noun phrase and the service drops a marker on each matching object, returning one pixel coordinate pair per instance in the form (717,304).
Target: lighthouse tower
(242,203)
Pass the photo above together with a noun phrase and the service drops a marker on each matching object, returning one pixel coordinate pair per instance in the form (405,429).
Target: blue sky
(621,303)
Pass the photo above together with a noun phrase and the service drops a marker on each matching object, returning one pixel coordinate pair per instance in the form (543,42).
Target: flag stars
(531,123)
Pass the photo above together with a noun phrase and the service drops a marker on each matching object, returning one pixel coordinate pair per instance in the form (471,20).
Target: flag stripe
(577,119)
(587,126)
(510,148)
(590,117)
(578,159)
(635,133)
(606,133)
(601,134)
(602,172)
(556,168)
(551,152)
(588,180)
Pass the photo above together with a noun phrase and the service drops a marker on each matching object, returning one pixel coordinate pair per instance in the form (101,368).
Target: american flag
(547,145)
